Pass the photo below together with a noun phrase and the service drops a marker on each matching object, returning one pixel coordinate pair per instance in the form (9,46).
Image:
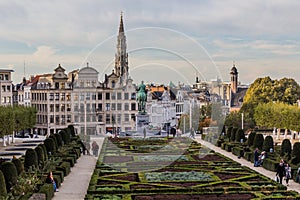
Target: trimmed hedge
(268,144)
(3,191)
(296,153)
(40,155)
(270,164)
(59,140)
(50,145)
(240,135)
(48,190)
(228,133)
(251,138)
(233,133)
(258,141)
(31,159)
(10,173)
(19,165)
(286,148)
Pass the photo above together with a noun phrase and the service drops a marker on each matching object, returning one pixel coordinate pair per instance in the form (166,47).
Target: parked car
(22,134)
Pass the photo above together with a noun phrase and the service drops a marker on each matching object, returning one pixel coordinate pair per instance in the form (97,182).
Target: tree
(6,121)
(251,138)
(296,153)
(258,141)
(240,135)
(268,143)
(286,148)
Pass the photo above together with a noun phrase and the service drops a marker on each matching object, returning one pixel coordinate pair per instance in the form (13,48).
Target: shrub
(54,139)
(251,138)
(45,151)
(64,136)
(296,153)
(268,144)
(50,145)
(40,155)
(3,191)
(71,127)
(286,148)
(48,190)
(240,135)
(258,141)
(228,133)
(10,173)
(233,132)
(19,165)
(31,159)
(58,139)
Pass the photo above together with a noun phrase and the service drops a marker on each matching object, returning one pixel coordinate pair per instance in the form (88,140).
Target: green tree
(296,153)
(3,191)
(268,143)
(6,121)
(251,138)
(258,141)
(286,148)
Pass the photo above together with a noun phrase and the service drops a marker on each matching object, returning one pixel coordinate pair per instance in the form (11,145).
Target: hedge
(296,153)
(50,145)
(3,191)
(31,159)
(40,155)
(286,147)
(48,190)
(258,141)
(251,138)
(10,173)
(268,144)
(19,165)
(270,164)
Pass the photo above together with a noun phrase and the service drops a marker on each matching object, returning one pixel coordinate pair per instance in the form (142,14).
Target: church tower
(121,56)
(234,79)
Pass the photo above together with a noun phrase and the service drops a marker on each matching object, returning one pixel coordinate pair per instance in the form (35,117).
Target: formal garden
(175,168)
(24,177)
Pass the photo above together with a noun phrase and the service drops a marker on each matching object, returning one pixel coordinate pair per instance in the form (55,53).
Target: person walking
(288,174)
(256,157)
(280,170)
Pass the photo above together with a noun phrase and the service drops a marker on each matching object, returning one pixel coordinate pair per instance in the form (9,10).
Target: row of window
(109,118)
(5,100)
(6,88)
(4,77)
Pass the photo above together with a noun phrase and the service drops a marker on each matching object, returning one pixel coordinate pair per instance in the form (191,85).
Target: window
(56,107)
(81,97)
(3,88)
(81,84)
(6,77)
(93,107)
(119,118)
(81,107)
(1,77)
(113,84)
(107,118)
(113,96)
(57,96)
(99,107)
(107,95)
(63,107)
(93,96)
(69,97)
(107,107)
(100,118)
(99,96)
(113,106)
(8,88)
(88,96)
(51,108)
(63,96)
(119,106)
(76,97)
(68,118)
(88,84)
(126,117)
(51,96)
(126,96)
(88,107)
(76,108)
(126,106)
(119,95)
(133,107)
(133,96)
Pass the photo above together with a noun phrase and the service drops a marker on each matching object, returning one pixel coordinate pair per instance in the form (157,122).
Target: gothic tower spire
(121,57)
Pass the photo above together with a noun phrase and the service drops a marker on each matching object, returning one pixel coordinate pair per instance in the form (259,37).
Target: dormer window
(113,84)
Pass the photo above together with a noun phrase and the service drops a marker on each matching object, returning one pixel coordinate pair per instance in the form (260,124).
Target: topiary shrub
(240,135)
(59,140)
(268,144)
(72,129)
(19,165)
(3,191)
(45,151)
(258,141)
(65,137)
(251,138)
(48,190)
(286,148)
(55,141)
(40,155)
(10,173)
(31,159)
(233,132)
(50,145)
(296,153)
(228,133)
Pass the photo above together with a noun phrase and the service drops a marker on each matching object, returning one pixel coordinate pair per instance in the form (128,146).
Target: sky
(166,40)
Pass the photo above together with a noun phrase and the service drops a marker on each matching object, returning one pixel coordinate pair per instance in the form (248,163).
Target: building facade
(6,93)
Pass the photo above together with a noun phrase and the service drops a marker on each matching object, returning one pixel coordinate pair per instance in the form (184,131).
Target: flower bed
(197,173)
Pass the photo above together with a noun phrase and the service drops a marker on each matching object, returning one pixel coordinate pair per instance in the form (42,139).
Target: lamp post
(85,117)
(242,121)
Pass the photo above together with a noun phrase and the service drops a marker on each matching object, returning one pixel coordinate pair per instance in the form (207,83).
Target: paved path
(292,185)
(76,183)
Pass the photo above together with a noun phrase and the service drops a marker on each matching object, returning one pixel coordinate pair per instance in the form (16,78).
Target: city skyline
(198,38)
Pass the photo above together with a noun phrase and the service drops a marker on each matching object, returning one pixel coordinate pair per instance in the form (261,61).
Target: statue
(142,97)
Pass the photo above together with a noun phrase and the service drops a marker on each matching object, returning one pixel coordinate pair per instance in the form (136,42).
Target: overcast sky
(166,40)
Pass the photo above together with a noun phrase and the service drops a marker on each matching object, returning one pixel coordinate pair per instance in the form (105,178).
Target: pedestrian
(261,158)
(280,170)
(298,175)
(256,157)
(95,148)
(288,174)
(51,180)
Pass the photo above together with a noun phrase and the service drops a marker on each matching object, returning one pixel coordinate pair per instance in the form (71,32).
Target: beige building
(6,87)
